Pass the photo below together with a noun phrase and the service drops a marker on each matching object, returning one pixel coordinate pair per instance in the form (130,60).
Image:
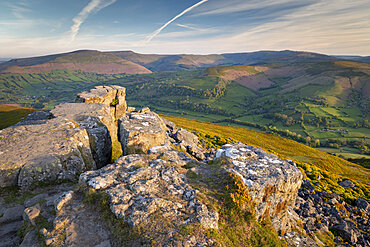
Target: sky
(40,27)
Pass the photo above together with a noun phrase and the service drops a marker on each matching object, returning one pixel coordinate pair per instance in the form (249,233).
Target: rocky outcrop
(146,189)
(54,149)
(62,143)
(324,214)
(273,183)
(112,96)
(140,131)
(99,124)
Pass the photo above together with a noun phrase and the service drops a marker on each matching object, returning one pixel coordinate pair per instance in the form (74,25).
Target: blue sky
(39,27)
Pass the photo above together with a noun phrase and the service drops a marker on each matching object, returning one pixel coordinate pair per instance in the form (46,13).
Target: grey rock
(112,96)
(273,183)
(31,240)
(347,184)
(143,186)
(30,214)
(140,131)
(185,136)
(56,149)
(362,204)
(347,232)
(295,239)
(12,214)
(99,124)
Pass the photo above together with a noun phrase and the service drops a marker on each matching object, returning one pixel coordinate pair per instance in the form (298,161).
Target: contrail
(151,36)
(93,6)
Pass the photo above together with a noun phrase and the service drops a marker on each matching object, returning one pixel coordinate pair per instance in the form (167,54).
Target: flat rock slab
(55,149)
(273,183)
(140,131)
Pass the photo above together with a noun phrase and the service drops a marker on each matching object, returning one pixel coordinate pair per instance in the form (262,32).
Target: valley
(314,99)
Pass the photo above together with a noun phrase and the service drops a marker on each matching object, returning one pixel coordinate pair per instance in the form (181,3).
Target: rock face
(142,188)
(140,131)
(99,124)
(273,183)
(55,149)
(112,96)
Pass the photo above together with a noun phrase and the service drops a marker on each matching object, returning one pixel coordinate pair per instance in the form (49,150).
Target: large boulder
(99,124)
(189,142)
(273,183)
(54,149)
(139,132)
(112,96)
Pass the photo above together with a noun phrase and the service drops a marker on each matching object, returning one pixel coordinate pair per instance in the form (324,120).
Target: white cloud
(93,6)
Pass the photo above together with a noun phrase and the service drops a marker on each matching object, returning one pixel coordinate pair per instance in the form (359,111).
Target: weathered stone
(273,183)
(363,204)
(12,214)
(78,224)
(143,186)
(295,239)
(62,200)
(185,136)
(347,184)
(130,109)
(31,240)
(10,222)
(99,124)
(30,214)
(140,131)
(56,149)
(144,110)
(347,232)
(112,96)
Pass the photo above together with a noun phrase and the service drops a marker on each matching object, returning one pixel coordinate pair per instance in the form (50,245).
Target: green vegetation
(323,169)
(322,104)
(10,115)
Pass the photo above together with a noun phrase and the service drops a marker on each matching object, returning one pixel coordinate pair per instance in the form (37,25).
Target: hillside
(86,61)
(12,114)
(181,62)
(312,98)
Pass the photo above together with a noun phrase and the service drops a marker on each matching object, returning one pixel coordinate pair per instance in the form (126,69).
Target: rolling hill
(86,61)
(312,98)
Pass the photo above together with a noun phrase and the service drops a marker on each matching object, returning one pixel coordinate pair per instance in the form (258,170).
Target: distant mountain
(129,62)
(180,62)
(355,58)
(87,61)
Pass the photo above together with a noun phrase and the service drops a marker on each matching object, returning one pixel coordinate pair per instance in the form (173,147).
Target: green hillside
(323,169)
(311,98)
(10,114)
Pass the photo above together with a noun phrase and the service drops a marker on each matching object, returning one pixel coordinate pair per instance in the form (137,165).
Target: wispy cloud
(155,33)
(19,9)
(92,7)
(230,7)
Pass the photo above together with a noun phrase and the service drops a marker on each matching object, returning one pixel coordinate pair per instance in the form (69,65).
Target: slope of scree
(165,190)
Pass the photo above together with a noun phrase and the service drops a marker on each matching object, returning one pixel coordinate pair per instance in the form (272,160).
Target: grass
(11,115)
(313,163)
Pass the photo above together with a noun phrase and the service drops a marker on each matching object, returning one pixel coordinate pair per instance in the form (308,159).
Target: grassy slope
(10,115)
(312,161)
